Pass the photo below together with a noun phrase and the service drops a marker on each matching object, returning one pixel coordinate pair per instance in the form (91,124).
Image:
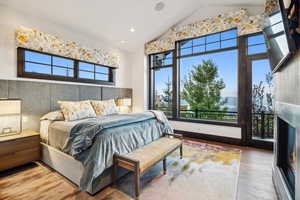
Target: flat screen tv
(282,33)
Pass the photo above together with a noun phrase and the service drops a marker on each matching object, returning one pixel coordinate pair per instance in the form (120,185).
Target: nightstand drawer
(18,158)
(19,145)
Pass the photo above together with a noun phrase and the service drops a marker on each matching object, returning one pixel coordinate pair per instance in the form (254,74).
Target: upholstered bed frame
(39,98)
(72,169)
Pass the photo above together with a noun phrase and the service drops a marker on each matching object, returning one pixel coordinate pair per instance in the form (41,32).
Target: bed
(82,150)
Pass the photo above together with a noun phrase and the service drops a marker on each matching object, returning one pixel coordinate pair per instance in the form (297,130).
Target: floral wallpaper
(240,19)
(271,6)
(44,42)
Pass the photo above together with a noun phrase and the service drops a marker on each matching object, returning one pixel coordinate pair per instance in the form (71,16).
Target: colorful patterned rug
(207,172)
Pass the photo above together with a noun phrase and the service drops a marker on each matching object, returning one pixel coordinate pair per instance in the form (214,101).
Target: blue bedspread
(95,141)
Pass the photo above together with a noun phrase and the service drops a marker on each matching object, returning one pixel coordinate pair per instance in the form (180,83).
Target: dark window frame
(219,41)
(152,76)
(23,74)
(241,46)
(177,49)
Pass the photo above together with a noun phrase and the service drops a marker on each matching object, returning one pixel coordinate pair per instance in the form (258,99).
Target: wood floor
(255,180)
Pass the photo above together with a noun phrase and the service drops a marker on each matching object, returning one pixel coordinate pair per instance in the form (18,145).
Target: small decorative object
(124,104)
(10,116)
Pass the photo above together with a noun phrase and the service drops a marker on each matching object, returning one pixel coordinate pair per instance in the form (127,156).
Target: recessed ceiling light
(159,6)
(132,30)
(123,41)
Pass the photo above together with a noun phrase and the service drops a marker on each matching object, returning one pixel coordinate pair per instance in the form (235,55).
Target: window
(256,44)
(220,79)
(33,64)
(207,72)
(208,79)
(50,65)
(162,59)
(209,86)
(93,72)
(162,70)
(213,42)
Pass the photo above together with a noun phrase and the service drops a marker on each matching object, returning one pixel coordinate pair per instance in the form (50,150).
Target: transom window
(208,43)
(162,59)
(256,44)
(32,64)
(93,72)
(45,64)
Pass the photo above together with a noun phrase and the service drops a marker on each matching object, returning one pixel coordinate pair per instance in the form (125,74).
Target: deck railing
(262,125)
(262,122)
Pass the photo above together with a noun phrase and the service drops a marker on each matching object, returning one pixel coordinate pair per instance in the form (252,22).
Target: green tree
(262,99)
(167,97)
(167,93)
(269,95)
(202,88)
(258,93)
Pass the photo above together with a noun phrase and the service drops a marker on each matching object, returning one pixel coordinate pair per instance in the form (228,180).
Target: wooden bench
(142,159)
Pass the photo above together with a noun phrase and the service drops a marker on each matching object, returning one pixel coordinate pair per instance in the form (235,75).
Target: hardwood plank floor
(255,181)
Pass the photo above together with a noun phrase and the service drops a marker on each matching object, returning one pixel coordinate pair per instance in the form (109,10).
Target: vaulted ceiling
(112,20)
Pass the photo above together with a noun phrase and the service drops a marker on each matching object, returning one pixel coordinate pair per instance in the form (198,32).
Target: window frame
(178,49)
(23,74)
(241,47)
(207,121)
(152,69)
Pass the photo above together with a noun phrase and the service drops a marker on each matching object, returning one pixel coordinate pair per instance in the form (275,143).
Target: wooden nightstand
(16,150)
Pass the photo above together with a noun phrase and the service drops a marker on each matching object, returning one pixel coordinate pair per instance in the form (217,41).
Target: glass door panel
(262,100)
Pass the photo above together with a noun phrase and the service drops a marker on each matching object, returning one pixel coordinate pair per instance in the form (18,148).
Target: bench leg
(165,165)
(181,151)
(137,183)
(114,172)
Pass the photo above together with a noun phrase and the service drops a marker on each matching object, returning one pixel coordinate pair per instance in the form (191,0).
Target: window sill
(221,123)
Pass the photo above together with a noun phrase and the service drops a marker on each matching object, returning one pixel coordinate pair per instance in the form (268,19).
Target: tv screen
(281,33)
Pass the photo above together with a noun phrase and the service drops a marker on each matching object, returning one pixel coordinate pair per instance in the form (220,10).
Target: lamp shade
(124,102)
(10,116)
(10,107)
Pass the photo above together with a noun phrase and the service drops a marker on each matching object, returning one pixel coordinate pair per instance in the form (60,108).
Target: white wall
(139,80)
(10,20)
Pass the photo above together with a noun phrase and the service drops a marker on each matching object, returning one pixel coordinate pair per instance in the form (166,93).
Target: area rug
(208,172)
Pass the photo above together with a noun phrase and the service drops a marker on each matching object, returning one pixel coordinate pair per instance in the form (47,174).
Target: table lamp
(124,104)
(10,116)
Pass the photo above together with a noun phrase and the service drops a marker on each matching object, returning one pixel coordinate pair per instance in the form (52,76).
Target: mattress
(56,133)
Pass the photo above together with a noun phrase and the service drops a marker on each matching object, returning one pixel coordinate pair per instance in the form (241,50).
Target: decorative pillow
(76,110)
(107,107)
(54,116)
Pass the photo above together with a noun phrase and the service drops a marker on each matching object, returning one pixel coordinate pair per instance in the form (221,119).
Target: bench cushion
(153,152)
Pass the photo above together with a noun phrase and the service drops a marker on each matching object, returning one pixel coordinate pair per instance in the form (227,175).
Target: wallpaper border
(36,40)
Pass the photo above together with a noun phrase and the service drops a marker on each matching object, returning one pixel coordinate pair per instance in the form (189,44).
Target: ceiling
(112,20)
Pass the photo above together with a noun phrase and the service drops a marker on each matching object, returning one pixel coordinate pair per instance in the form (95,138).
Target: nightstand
(19,149)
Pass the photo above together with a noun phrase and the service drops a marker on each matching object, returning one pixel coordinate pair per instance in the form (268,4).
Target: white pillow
(54,116)
(106,107)
(76,110)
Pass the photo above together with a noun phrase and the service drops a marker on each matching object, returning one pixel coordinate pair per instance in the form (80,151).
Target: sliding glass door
(260,125)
